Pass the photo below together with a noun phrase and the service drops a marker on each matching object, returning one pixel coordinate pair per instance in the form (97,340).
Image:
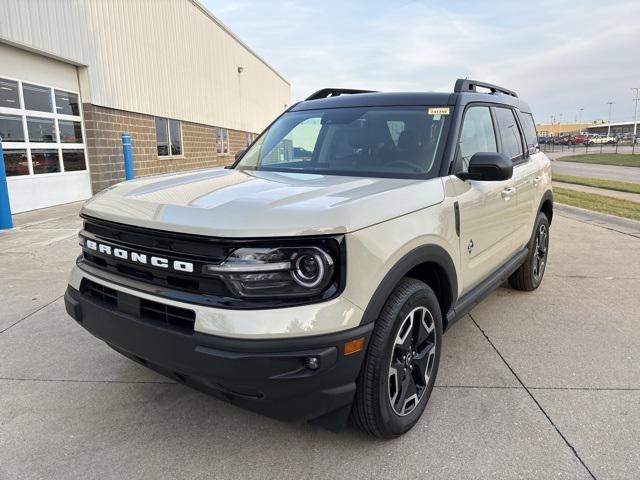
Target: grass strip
(619,159)
(597,203)
(599,183)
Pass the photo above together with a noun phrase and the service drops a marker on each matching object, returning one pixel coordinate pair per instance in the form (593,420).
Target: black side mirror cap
(488,167)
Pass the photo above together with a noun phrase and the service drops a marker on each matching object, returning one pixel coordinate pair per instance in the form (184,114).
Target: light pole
(560,125)
(635,114)
(580,116)
(611,104)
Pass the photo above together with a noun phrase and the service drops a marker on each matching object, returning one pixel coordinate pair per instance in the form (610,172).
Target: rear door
(486,209)
(524,172)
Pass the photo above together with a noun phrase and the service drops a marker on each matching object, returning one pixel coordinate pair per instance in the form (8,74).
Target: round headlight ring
(299,270)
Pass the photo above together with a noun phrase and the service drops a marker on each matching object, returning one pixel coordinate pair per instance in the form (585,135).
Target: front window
(402,142)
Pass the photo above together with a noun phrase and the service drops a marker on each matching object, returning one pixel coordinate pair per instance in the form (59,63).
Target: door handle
(536,181)
(507,193)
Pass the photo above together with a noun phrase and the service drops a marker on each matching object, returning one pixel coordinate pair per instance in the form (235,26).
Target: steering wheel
(405,163)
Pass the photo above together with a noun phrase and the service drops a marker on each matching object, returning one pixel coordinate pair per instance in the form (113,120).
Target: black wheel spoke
(421,363)
(410,360)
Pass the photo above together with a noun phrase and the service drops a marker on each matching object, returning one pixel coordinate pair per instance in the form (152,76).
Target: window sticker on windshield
(439,111)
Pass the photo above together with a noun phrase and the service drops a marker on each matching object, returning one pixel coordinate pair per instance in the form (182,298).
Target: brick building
(76,74)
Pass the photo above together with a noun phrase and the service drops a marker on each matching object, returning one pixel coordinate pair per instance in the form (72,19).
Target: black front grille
(195,249)
(101,293)
(173,316)
(149,311)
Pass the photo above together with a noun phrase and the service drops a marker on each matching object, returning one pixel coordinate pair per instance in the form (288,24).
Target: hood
(231,203)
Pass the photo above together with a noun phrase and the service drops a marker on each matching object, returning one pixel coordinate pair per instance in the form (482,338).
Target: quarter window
(510,133)
(529,132)
(222,140)
(168,137)
(478,135)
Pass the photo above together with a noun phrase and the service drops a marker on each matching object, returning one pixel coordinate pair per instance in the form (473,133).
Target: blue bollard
(6,221)
(129,173)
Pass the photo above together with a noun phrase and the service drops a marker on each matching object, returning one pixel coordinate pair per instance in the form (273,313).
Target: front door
(487,209)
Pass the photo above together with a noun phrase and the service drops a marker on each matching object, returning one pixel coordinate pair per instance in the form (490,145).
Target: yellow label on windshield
(439,111)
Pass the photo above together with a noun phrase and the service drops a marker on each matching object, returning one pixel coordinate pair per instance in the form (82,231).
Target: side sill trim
(488,285)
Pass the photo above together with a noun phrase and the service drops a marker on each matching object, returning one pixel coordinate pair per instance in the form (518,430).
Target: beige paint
(167,58)
(331,316)
(31,67)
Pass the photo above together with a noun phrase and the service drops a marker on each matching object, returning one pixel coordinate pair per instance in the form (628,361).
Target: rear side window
(530,134)
(510,134)
(477,134)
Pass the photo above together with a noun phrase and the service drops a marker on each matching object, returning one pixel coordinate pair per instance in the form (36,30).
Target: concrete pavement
(532,385)
(607,172)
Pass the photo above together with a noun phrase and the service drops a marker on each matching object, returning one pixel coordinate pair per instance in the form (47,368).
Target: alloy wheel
(540,251)
(412,360)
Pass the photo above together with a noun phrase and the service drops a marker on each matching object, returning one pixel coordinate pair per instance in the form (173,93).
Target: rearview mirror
(488,167)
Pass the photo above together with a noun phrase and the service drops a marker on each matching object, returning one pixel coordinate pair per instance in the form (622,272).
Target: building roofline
(218,22)
(44,53)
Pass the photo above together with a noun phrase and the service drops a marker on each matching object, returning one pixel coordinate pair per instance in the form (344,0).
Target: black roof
(353,98)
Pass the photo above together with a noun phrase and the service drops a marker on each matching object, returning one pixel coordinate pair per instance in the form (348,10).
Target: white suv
(314,278)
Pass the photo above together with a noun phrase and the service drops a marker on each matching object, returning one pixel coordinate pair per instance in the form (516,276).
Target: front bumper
(270,376)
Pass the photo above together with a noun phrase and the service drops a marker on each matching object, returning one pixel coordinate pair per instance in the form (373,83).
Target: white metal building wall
(167,58)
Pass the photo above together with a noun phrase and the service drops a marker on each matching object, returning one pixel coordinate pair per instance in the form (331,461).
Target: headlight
(276,272)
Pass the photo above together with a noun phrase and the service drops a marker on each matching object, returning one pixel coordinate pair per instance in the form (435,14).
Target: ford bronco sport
(314,278)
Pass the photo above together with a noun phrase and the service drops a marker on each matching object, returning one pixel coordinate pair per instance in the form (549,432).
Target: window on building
(9,94)
(11,129)
(70,132)
(67,103)
(73,160)
(478,135)
(16,162)
(250,138)
(45,161)
(37,98)
(168,137)
(42,135)
(41,130)
(510,133)
(222,141)
(176,137)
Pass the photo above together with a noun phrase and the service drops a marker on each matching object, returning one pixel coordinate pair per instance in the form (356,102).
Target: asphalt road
(534,385)
(607,172)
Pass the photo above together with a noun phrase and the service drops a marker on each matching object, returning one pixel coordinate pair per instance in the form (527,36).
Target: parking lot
(532,385)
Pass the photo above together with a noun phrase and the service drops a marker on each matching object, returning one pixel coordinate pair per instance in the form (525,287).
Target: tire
(529,276)
(412,312)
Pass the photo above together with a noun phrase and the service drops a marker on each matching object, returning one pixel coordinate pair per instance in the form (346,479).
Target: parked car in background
(601,140)
(578,139)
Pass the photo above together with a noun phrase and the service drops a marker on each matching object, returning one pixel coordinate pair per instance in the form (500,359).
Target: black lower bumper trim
(271,377)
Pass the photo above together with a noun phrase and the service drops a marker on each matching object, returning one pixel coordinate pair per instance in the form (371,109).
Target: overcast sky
(558,56)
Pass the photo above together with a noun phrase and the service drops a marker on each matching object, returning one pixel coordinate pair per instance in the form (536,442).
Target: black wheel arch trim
(547,196)
(422,254)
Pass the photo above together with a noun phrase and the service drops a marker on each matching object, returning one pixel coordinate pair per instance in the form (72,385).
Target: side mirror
(488,167)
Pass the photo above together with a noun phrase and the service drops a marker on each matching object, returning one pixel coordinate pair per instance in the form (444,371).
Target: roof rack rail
(465,85)
(335,92)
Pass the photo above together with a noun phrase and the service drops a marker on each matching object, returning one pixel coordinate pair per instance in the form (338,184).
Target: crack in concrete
(68,380)
(566,441)
(32,313)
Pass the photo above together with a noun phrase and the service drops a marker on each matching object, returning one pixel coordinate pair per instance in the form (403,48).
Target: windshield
(401,142)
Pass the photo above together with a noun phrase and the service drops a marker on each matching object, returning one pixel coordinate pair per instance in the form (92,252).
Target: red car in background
(579,139)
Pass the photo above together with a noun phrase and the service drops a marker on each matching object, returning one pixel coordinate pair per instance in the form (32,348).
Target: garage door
(42,131)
